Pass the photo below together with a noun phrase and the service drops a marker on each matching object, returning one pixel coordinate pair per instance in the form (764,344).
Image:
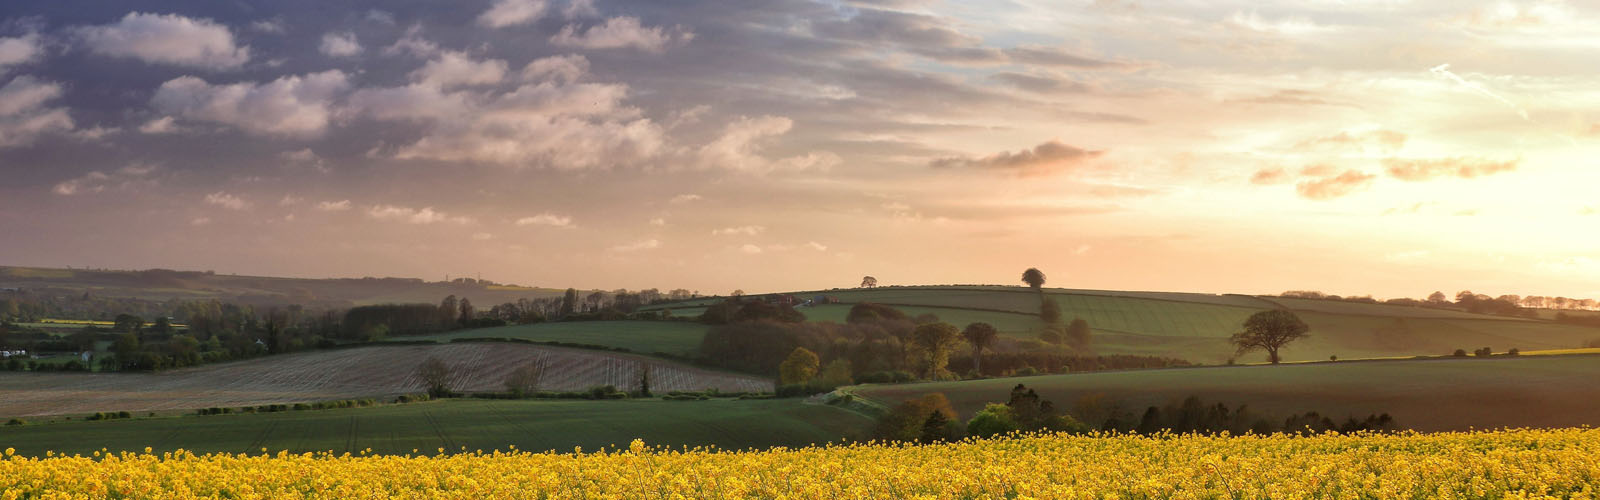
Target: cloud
(482,236)
(658,222)
(1386,140)
(637,246)
(1039,84)
(570,126)
(131,176)
(621,33)
(1462,167)
(1049,157)
(1052,56)
(340,45)
(685,198)
(200,221)
(424,215)
(290,200)
(1444,70)
(16,51)
(750,249)
(1270,176)
(412,43)
(228,201)
(455,69)
(560,69)
(289,106)
(580,9)
(744,230)
(158,126)
(816,246)
(512,12)
(1328,188)
(334,206)
(24,114)
(274,26)
(166,39)
(547,219)
(739,147)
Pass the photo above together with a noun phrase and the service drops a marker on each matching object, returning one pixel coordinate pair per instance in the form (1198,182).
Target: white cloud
(24,115)
(228,201)
(167,39)
(424,215)
(454,69)
(482,236)
(580,9)
(380,17)
(289,200)
(19,50)
(334,206)
(620,33)
(750,249)
(547,219)
(637,246)
(658,222)
(274,26)
(162,125)
(560,69)
(685,198)
(340,44)
(413,43)
(739,148)
(199,221)
(744,230)
(512,12)
(816,246)
(290,105)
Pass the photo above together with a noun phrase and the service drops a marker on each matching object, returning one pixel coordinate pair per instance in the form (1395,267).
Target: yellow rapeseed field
(1500,464)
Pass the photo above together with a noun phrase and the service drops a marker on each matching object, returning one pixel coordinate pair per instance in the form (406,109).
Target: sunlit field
(1503,464)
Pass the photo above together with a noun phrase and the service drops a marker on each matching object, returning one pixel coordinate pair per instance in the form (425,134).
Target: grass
(670,337)
(1435,394)
(531,425)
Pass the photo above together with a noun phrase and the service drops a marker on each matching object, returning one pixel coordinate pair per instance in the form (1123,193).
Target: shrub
(1483,352)
(885,377)
(1513,352)
(993,420)
(16,421)
(1460,353)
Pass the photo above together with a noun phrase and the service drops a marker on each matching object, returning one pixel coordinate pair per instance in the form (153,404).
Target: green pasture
(671,337)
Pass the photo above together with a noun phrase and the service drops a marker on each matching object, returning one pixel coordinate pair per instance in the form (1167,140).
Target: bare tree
(436,375)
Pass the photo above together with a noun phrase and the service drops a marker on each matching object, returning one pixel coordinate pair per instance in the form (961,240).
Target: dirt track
(346,373)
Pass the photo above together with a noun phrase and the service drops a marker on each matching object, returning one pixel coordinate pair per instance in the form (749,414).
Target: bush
(1460,353)
(1513,352)
(885,377)
(1483,352)
(16,421)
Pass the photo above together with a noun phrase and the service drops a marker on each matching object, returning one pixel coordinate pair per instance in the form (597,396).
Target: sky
(1385,147)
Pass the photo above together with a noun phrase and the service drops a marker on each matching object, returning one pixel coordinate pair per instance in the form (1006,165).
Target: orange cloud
(1460,166)
(1270,176)
(1050,157)
(1388,140)
(1333,187)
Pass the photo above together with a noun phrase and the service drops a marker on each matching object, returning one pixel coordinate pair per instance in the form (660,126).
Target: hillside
(346,373)
(160,284)
(1196,326)
(1439,394)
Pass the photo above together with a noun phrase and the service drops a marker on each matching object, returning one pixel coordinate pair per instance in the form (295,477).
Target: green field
(532,425)
(671,337)
(1437,394)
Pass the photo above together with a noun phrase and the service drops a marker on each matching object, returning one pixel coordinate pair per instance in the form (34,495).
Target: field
(671,337)
(361,372)
(1442,394)
(532,425)
(1196,326)
(159,284)
(1510,464)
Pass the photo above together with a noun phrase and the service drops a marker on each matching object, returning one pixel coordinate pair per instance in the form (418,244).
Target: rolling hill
(1431,395)
(361,372)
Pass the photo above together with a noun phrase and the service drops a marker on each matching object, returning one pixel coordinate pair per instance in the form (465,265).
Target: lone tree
(980,335)
(436,375)
(935,341)
(1034,278)
(799,367)
(523,381)
(1269,330)
(869,282)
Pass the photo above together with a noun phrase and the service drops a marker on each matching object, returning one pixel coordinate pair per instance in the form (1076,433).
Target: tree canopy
(1033,277)
(1270,330)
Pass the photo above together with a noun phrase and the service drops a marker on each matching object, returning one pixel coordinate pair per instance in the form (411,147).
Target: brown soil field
(377,371)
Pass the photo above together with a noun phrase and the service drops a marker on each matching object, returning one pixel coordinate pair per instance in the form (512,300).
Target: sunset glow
(1383,147)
